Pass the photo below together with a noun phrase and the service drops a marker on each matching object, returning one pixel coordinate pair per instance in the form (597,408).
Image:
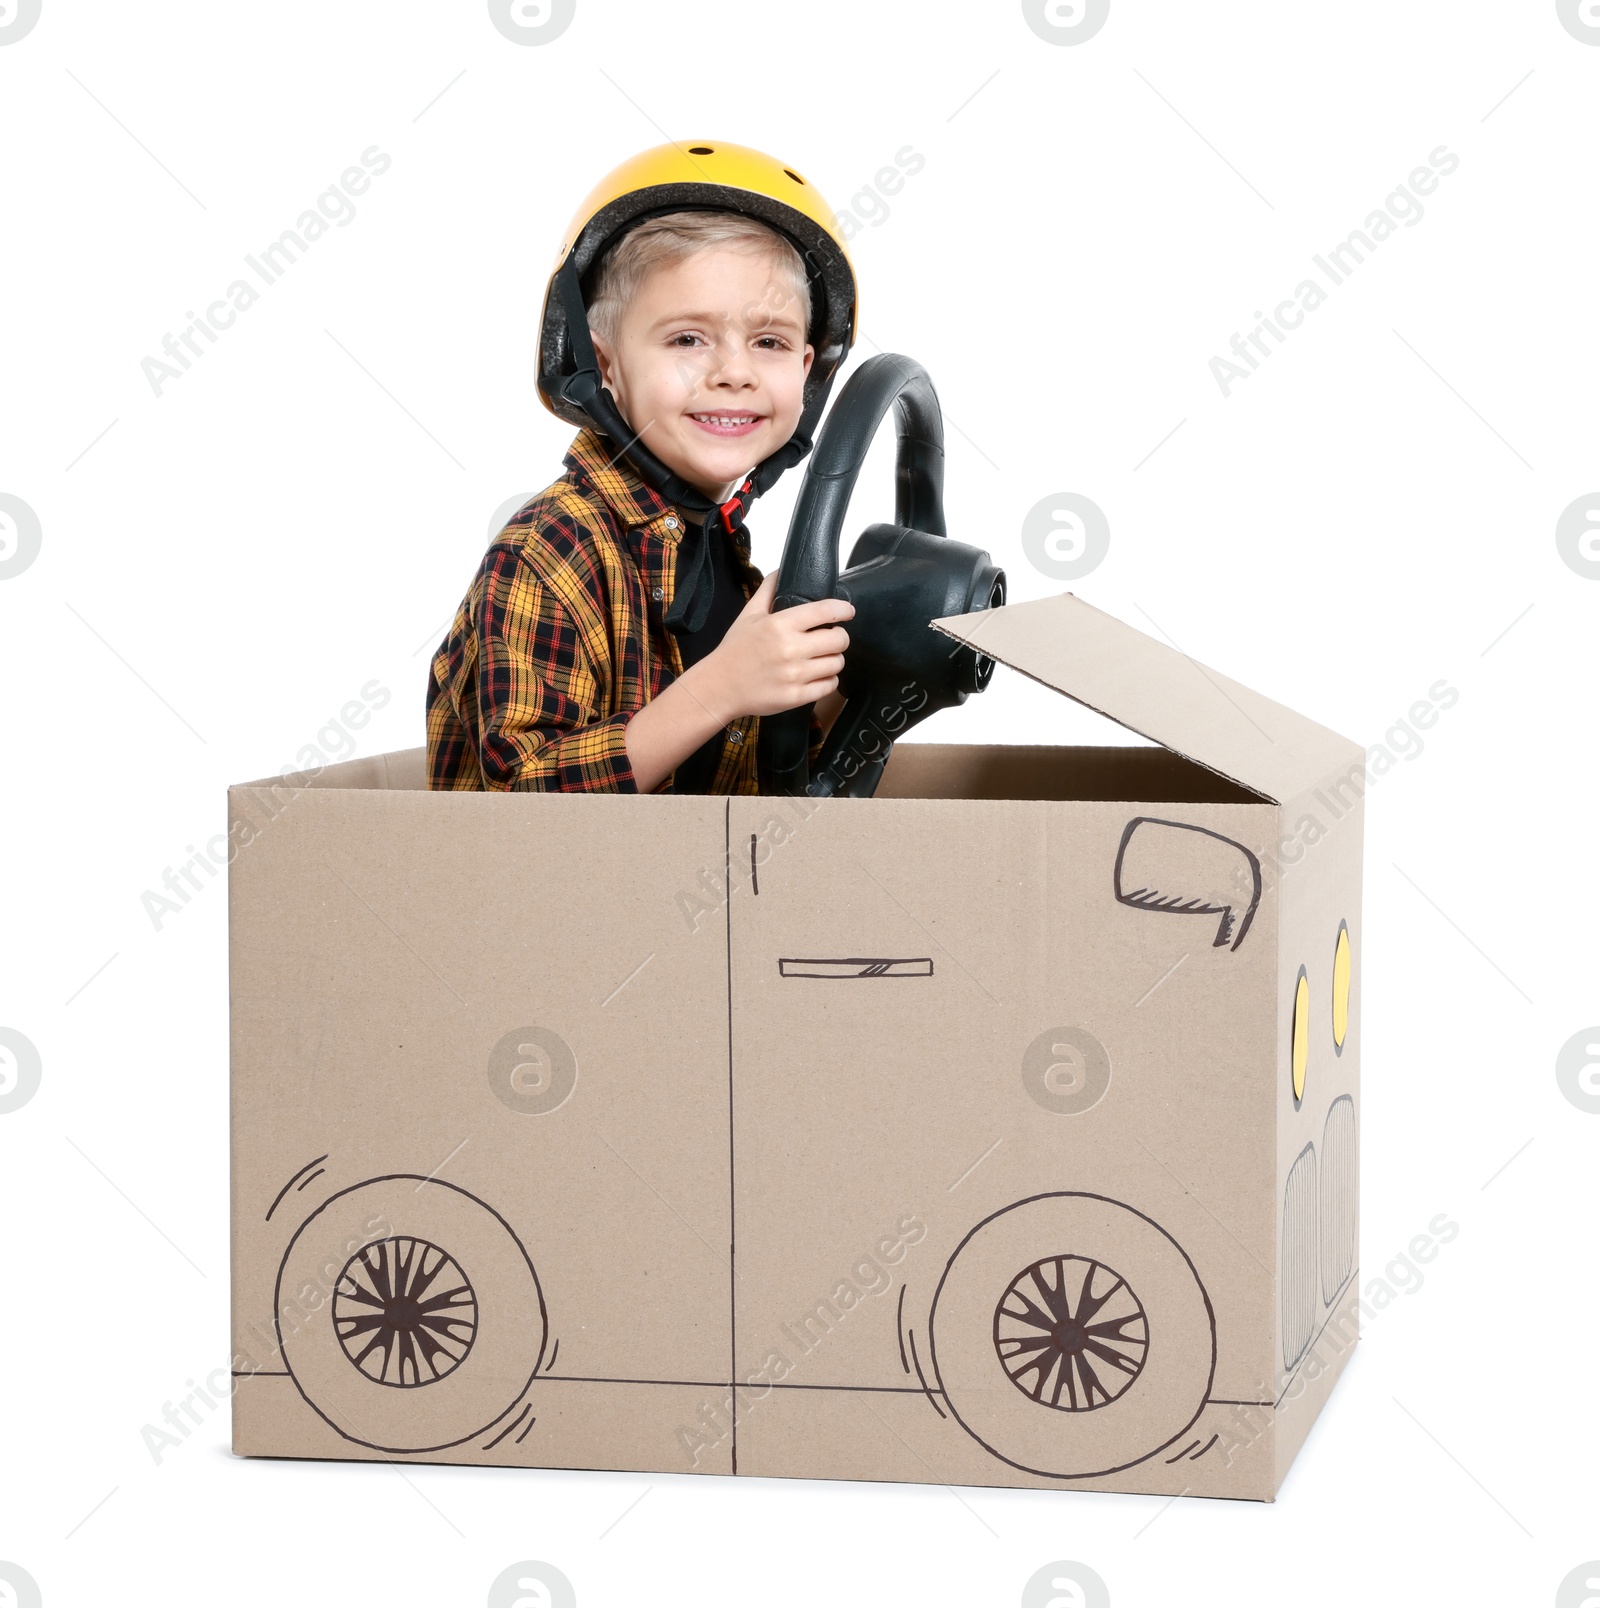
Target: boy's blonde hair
(668,240)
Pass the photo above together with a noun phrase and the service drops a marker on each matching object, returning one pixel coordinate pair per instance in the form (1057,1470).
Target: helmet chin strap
(695,579)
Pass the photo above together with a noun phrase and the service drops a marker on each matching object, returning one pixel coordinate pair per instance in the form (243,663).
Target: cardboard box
(996,1130)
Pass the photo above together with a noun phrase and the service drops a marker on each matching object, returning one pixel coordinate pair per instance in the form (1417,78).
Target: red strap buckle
(736,503)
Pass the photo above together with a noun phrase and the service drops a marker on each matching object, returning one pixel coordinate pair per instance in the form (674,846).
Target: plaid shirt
(560,641)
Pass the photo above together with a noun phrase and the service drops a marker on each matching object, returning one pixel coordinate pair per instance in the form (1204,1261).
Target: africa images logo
(532,22)
(20,536)
(1402,206)
(1581,19)
(17,18)
(1066,22)
(336,206)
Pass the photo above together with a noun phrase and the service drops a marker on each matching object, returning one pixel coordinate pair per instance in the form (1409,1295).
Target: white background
(225,565)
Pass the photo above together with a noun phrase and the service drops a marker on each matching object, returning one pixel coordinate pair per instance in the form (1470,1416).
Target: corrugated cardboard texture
(917,989)
(383,943)
(1155,690)
(1042,770)
(1318,1183)
(939,1136)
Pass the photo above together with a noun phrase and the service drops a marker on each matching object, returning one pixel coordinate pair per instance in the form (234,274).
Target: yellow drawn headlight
(1341,988)
(1300,1049)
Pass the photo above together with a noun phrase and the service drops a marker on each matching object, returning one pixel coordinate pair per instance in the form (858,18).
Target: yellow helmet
(685,176)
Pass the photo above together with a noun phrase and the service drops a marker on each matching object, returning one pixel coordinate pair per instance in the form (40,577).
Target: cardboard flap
(1158,692)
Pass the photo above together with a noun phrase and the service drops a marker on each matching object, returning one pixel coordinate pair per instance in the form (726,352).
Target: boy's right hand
(769,662)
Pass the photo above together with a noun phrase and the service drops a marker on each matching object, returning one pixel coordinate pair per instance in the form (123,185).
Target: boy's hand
(769,662)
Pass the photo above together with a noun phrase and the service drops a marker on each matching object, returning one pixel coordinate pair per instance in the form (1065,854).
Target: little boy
(567,667)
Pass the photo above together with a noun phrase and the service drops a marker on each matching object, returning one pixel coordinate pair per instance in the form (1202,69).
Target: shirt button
(672,523)
(656,593)
(736,736)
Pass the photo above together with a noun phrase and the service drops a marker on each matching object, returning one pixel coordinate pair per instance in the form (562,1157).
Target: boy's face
(710,365)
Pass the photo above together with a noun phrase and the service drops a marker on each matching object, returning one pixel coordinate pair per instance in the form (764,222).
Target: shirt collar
(616,480)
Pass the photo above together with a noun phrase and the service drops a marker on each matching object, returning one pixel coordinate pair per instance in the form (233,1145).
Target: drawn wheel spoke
(389,1324)
(1070,1333)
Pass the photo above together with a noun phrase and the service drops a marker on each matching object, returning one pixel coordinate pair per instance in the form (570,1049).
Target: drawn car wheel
(1071,1336)
(1070,1333)
(404,1312)
(409,1314)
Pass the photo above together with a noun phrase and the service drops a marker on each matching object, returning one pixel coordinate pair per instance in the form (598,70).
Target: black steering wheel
(897,670)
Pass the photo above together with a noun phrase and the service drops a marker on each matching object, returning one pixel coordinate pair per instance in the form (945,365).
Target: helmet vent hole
(793,175)
(700,150)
